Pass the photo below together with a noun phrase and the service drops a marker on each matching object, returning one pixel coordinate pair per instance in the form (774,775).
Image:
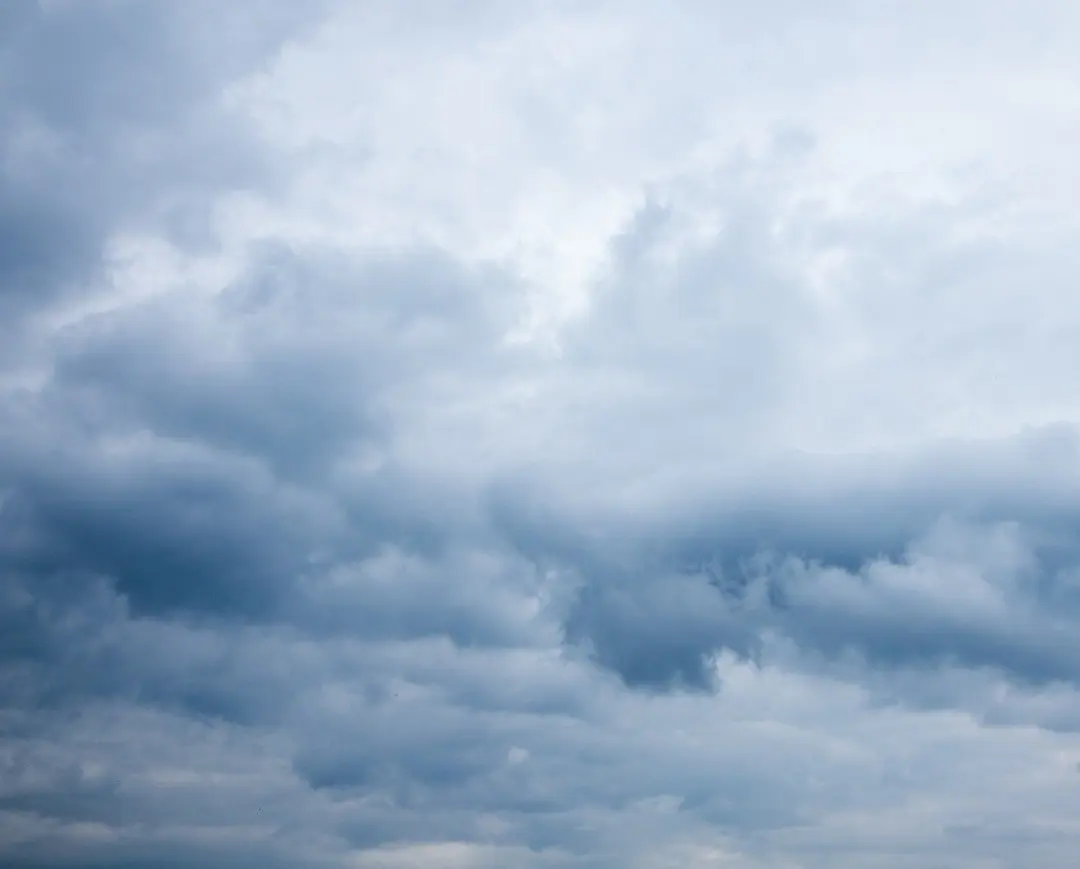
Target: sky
(551,435)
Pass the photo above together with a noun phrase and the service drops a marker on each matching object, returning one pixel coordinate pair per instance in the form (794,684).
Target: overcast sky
(616,435)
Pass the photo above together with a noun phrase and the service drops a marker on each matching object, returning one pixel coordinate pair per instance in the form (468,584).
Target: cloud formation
(554,435)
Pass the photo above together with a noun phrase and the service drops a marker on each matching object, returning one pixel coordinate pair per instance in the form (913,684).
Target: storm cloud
(550,435)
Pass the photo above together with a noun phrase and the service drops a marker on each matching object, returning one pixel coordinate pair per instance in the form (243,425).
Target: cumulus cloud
(559,435)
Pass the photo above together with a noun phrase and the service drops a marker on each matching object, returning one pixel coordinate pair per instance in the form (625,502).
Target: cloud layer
(551,435)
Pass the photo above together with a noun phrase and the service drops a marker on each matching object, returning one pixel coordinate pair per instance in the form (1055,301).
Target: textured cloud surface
(539,434)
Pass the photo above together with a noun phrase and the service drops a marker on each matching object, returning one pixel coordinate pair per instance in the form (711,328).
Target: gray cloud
(113,122)
(559,437)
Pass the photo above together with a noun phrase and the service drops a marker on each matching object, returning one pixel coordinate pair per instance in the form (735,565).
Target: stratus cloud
(561,435)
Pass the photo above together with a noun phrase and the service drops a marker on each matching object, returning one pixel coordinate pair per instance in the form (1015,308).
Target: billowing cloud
(555,435)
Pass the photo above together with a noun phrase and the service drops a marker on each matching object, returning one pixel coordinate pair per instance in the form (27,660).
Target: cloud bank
(552,435)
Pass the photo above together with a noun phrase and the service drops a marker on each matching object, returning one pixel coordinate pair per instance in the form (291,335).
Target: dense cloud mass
(602,434)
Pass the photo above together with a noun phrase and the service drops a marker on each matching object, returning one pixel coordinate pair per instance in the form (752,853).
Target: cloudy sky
(556,434)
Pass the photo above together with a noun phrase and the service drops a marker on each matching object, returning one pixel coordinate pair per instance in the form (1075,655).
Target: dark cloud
(958,555)
(113,120)
(408,499)
(659,631)
(188,454)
